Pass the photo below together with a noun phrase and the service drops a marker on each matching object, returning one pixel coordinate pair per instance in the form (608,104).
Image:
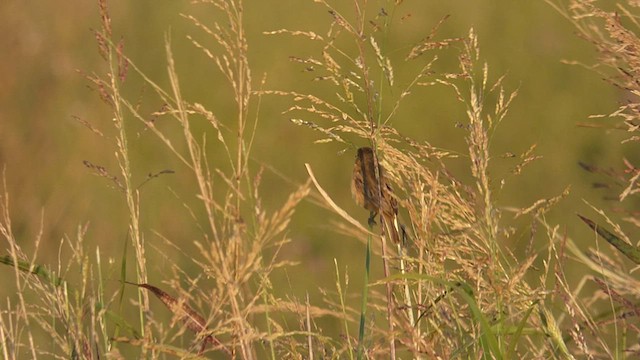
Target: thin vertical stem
(131,194)
(385,263)
(365,296)
(385,258)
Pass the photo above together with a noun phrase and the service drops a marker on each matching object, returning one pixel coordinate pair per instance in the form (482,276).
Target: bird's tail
(392,227)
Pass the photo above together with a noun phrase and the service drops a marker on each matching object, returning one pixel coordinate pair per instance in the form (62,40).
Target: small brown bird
(366,191)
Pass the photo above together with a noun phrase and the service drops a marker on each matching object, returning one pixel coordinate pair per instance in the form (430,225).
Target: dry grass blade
(152,176)
(333,205)
(103,172)
(429,44)
(192,320)
(617,297)
(165,349)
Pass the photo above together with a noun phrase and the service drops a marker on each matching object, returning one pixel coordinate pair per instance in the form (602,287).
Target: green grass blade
(38,270)
(123,271)
(630,251)
(120,322)
(516,336)
(266,290)
(123,279)
(365,295)
(488,338)
(552,331)
(341,294)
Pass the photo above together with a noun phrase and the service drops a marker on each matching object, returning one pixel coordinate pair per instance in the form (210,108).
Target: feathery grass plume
(71,317)
(614,36)
(241,240)
(111,86)
(455,229)
(459,230)
(455,288)
(602,306)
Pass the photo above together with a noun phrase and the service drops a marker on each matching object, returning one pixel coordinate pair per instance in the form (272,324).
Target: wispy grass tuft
(601,308)
(456,230)
(454,288)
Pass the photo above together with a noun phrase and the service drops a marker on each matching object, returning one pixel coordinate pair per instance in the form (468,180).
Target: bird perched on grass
(371,190)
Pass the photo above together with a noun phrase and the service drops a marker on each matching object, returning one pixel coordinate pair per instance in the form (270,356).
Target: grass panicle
(456,286)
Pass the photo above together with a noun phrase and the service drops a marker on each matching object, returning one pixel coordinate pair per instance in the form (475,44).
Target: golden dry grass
(452,289)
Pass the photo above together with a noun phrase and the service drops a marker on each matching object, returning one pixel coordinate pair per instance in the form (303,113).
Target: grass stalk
(390,303)
(116,75)
(345,322)
(466,293)
(364,298)
(265,299)
(309,330)
(408,301)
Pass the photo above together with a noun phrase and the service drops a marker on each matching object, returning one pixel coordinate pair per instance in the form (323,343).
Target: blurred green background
(43,145)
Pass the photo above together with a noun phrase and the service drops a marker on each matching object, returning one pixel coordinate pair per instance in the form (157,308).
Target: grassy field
(176,179)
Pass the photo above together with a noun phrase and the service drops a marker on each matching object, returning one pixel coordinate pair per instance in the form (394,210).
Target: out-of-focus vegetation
(43,145)
(56,134)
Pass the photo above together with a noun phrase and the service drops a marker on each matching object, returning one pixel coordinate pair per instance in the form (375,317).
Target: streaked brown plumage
(366,192)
